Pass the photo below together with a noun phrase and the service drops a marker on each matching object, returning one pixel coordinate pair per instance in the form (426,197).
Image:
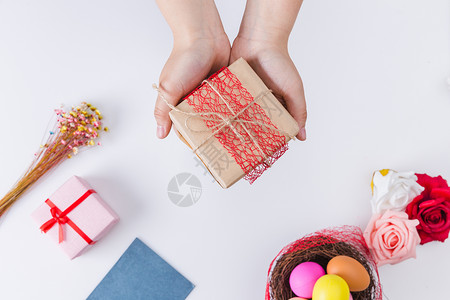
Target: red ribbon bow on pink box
(60,217)
(80,215)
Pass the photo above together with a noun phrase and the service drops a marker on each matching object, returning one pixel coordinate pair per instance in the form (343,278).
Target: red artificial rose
(432,209)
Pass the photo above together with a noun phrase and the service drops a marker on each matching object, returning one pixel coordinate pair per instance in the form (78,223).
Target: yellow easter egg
(331,287)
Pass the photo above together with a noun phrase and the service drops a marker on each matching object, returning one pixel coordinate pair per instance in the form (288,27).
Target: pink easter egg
(303,278)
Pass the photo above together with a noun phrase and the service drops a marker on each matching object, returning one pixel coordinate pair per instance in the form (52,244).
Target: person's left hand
(271,61)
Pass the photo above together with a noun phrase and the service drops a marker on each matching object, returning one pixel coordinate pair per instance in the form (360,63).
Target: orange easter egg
(351,270)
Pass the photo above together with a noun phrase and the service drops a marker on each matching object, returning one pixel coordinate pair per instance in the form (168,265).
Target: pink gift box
(75,217)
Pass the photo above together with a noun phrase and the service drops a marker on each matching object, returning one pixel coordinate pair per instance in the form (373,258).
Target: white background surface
(375,76)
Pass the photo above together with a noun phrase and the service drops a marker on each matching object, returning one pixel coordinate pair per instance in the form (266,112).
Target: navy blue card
(142,274)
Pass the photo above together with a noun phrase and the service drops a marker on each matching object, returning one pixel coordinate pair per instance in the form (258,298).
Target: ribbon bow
(57,217)
(60,217)
(225,121)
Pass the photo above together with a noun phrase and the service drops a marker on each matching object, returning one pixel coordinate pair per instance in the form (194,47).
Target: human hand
(201,47)
(185,69)
(273,64)
(262,42)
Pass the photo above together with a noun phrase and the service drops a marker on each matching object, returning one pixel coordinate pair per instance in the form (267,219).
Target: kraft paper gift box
(75,216)
(234,124)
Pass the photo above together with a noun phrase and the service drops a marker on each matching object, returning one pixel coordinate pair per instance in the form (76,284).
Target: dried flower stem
(73,130)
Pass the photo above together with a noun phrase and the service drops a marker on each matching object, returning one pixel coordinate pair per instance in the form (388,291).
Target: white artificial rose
(393,190)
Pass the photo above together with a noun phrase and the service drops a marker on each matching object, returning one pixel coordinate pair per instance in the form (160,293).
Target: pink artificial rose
(392,237)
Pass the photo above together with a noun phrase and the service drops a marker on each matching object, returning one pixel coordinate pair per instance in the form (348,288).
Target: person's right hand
(188,64)
(201,47)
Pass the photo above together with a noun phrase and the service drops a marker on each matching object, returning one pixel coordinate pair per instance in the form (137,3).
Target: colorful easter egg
(331,287)
(351,270)
(303,278)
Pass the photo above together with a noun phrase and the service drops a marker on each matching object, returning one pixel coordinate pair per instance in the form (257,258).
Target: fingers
(182,72)
(163,122)
(279,73)
(295,101)
(171,90)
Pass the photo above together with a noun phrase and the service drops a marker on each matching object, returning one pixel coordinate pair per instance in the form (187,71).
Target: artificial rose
(392,237)
(432,209)
(393,190)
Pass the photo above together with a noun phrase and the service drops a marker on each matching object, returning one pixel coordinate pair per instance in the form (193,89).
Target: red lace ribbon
(245,152)
(60,217)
